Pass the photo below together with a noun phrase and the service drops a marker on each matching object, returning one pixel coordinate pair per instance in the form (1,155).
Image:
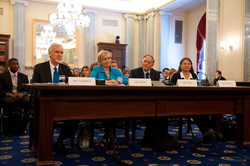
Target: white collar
(190,76)
(52,66)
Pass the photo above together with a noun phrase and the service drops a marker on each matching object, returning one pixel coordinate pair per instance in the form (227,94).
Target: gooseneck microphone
(207,82)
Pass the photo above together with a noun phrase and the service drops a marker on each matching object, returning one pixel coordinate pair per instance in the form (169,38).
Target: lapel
(19,84)
(61,70)
(141,73)
(9,81)
(152,74)
(47,72)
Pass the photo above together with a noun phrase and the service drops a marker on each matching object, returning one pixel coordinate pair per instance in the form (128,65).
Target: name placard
(226,83)
(183,82)
(139,82)
(81,81)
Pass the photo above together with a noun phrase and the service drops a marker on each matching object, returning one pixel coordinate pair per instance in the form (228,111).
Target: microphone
(207,82)
(125,67)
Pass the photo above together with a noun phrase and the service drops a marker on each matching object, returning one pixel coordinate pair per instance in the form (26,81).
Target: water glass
(119,79)
(61,79)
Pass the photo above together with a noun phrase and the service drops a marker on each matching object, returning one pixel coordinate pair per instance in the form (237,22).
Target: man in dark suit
(218,76)
(146,70)
(12,93)
(49,72)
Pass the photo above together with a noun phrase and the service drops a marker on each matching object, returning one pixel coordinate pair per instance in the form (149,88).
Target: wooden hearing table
(64,102)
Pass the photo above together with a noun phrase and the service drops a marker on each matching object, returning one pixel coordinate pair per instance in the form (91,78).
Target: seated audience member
(105,72)
(85,71)
(49,72)
(92,66)
(186,71)
(13,94)
(146,70)
(165,73)
(218,76)
(75,72)
(126,73)
(170,73)
(114,65)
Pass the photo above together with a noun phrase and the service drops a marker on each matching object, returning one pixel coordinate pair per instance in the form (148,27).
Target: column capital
(150,14)
(142,17)
(165,13)
(24,2)
(130,15)
(89,11)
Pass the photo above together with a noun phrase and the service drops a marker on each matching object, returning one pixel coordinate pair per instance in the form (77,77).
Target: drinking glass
(119,79)
(61,79)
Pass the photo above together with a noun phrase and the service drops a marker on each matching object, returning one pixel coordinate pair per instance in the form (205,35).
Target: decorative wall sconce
(229,44)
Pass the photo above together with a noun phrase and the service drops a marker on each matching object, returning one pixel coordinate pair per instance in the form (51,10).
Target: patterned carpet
(14,152)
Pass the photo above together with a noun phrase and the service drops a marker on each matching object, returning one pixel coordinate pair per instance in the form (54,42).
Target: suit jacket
(138,73)
(42,72)
(217,79)
(177,76)
(6,85)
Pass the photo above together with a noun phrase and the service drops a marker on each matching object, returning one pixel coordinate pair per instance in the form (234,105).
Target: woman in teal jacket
(105,72)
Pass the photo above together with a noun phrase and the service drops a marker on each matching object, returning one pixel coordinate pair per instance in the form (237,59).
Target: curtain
(201,34)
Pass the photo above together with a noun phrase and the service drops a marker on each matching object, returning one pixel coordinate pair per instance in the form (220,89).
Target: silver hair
(53,45)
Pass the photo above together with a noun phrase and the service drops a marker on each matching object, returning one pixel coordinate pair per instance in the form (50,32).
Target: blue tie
(55,76)
(147,75)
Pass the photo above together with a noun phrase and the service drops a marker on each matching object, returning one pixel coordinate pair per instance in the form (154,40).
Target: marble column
(212,37)
(142,38)
(151,20)
(90,33)
(130,39)
(165,40)
(19,37)
(246,67)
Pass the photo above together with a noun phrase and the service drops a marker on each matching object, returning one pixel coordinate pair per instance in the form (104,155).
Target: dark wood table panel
(64,102)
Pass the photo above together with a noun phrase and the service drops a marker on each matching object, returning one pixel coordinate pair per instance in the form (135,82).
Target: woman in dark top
(186,71)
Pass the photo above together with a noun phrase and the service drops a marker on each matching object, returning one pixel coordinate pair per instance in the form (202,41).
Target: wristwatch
(9,94)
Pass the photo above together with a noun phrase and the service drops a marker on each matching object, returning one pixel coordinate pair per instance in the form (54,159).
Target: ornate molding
(150,14)
(130,15)
(165,13)
(142,17)
(13,2)
(89,11)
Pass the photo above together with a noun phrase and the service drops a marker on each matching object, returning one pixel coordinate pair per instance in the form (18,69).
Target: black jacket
(6,85)
(42,72)
(177,76)
(138,73)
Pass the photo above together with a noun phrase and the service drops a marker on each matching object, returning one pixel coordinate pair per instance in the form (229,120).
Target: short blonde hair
(102,53)
(172,70)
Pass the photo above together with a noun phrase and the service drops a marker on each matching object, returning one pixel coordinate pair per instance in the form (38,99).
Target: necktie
(147,75)
(14,83)
(55,76)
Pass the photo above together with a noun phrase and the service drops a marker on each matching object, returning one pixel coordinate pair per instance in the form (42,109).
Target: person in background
(65,63)
(126,73)
(48,72)
(186,71)
(84,71)
(218,76)
(114,65)
(109,74)
(12,94)
(75,72)
(165,73)
(92,66)
(170,73)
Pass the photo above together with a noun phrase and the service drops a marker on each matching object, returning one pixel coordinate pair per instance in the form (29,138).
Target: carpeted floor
(14,152)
